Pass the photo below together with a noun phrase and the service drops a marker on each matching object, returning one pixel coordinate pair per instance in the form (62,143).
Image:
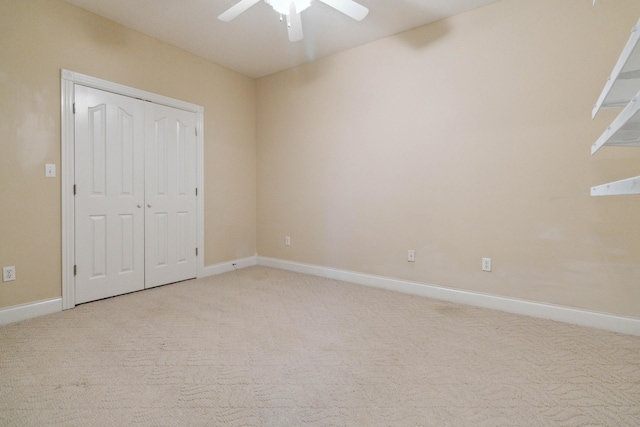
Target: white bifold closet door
(135,200)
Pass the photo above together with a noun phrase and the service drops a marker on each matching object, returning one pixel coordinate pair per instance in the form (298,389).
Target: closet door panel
(109,181)
(170,194)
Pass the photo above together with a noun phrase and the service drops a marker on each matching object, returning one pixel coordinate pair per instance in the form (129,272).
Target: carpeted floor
(266,347)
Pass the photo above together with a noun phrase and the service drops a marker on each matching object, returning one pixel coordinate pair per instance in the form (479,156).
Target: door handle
(148,206)
(139,206)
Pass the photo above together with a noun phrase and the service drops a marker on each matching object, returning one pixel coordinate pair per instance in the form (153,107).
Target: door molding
(68,80)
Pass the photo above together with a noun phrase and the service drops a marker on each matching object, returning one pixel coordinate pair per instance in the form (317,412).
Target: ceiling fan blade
(236,10)
(349,8)
(294,24)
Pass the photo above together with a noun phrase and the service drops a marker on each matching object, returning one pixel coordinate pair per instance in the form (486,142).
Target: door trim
(67,172)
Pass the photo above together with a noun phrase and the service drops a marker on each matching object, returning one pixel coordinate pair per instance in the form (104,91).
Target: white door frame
(67,173)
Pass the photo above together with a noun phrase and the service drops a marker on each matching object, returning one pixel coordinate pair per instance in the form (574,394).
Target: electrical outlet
(411,255)
(8,273)
(287,241)
(486,264)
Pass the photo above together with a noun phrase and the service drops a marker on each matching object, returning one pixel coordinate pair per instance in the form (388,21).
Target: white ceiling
(256,43)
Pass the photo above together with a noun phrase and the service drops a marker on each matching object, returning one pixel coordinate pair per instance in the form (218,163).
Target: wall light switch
(50,170)
(411,255)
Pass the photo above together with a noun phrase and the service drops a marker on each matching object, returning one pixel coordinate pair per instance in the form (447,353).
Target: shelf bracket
(618,188)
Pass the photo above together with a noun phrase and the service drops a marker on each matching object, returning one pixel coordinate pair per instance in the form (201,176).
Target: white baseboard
(225,267)
(609,322)
(625,325)
(40,308)
(18,313)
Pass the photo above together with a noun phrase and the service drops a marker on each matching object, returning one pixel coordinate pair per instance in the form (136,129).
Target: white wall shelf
(624,82)
(625,129)
(622,90)
(618,188)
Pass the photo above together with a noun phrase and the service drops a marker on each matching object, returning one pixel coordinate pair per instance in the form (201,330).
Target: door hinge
(74,189)
(75,270)
(196,131)
(196,251)
(196,191)
(74,108)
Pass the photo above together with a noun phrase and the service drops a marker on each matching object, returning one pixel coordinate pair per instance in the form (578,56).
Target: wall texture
(463,139)
(37,39)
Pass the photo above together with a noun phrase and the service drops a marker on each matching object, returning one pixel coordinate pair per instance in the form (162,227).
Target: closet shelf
(617,188)
(625,129)
(624,81)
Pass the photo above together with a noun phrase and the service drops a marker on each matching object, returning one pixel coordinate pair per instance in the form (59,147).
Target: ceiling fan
(291,9)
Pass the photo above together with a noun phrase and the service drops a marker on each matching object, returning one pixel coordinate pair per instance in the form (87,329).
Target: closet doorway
(133,219)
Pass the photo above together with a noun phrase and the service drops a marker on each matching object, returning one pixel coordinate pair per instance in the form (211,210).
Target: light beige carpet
(264,347)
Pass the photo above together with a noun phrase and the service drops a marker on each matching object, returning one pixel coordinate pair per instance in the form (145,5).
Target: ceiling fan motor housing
(282,6)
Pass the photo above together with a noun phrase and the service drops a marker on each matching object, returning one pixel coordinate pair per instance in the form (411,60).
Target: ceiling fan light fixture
(292,9)
(282,6)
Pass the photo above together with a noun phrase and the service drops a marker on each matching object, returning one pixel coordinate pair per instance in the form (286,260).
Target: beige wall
(37,39)
(464,139)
